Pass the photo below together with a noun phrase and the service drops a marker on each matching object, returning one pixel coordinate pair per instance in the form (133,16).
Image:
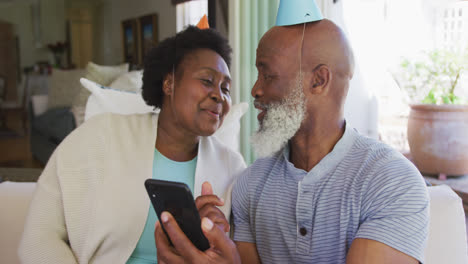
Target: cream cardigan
(90,204)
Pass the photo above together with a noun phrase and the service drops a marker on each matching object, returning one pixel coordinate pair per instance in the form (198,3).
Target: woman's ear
(321,78)
(168,84)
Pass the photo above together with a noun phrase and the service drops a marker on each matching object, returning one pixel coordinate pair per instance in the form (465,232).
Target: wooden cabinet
(8,60)
(81,35)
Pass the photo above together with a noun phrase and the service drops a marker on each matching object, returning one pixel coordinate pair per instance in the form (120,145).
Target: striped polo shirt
(361,189)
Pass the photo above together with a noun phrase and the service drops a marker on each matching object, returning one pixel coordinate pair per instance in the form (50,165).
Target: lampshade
(292,12)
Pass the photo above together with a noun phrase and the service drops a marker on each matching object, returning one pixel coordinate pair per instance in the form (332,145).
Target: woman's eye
(226,90)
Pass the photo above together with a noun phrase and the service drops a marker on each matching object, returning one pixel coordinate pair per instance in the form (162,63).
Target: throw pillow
(104,74)
(100,74)
(130,81)
(39,104)
(107,100)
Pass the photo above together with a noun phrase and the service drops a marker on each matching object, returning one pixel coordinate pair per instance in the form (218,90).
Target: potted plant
(438,120)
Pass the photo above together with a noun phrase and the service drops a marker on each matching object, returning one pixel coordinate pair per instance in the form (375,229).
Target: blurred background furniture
(58,103)
(50,117)
(2,92)
(16,107)
(9,77)
(19,174)
(9,60)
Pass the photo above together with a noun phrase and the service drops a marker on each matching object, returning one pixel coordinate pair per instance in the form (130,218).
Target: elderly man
(322,193)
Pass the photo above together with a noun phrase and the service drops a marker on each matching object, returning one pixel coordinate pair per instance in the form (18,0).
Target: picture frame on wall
(148,32)
(130,41)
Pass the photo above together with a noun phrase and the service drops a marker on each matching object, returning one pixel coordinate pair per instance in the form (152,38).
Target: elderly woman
(91,206)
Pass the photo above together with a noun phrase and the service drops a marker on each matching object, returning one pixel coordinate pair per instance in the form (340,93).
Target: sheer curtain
(361,108)
(248,21)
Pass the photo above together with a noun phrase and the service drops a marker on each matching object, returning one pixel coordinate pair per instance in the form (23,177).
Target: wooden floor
(14,145)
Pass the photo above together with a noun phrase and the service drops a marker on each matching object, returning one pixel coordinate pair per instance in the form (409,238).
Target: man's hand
(206,205)
(222,250)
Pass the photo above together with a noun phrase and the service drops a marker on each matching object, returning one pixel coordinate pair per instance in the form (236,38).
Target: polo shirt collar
(328,163)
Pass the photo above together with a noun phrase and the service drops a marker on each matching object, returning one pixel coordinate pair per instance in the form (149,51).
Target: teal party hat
(292,12)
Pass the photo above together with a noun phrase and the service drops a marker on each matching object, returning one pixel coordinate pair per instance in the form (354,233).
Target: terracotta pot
(438,138)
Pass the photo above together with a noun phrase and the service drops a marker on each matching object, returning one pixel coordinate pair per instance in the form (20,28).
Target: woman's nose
(216,94)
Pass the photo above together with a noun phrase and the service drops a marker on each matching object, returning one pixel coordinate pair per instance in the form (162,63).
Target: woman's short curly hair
(170,53)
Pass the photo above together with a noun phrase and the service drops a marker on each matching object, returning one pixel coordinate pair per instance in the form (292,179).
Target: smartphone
(177,199)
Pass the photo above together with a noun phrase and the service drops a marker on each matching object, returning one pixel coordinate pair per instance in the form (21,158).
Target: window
(189,13)
(384,31)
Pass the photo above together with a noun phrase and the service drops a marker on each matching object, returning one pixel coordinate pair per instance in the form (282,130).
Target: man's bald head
(324,44)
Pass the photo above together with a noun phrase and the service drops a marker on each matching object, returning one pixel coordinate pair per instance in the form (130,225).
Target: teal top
(169,170)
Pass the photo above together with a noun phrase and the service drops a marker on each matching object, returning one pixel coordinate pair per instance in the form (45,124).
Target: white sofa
(447,234)
(14,203)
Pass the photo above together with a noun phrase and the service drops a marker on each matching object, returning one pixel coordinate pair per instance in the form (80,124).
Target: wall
(107,35)
(110,14)
(52,22)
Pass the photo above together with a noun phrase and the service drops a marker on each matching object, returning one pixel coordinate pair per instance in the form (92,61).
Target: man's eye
(267,76)
(207,82)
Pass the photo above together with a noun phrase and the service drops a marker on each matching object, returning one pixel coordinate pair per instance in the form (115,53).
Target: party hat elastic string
(300,51)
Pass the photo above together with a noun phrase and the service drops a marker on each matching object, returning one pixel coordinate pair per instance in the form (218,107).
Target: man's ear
(168,84)
(321,78)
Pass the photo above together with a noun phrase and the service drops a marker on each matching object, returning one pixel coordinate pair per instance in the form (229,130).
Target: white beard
(280,123)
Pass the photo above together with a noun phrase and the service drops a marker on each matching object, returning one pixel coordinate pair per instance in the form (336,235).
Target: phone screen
(177,199)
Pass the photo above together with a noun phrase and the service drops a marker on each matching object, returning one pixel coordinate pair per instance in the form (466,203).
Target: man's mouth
(262,108)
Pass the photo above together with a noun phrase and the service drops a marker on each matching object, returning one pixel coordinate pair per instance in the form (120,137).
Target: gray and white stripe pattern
(362,189)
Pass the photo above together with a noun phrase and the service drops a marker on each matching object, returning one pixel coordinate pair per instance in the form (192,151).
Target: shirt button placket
(303,231)
(303,220)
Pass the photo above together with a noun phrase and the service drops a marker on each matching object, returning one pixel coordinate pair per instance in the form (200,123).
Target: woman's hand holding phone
(206,205)
(214,226)
(222,250)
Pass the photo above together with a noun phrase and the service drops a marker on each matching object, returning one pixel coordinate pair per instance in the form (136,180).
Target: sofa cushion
(14,203)
(64,85)
(55,124)
(447,231)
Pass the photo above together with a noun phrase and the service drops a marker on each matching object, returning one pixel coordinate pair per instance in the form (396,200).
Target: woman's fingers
(165,252)
(208,199)
(216,216)
(180,241)
(206,189)
(225,249)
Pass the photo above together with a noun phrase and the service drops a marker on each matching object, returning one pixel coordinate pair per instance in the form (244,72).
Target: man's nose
(257,91)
